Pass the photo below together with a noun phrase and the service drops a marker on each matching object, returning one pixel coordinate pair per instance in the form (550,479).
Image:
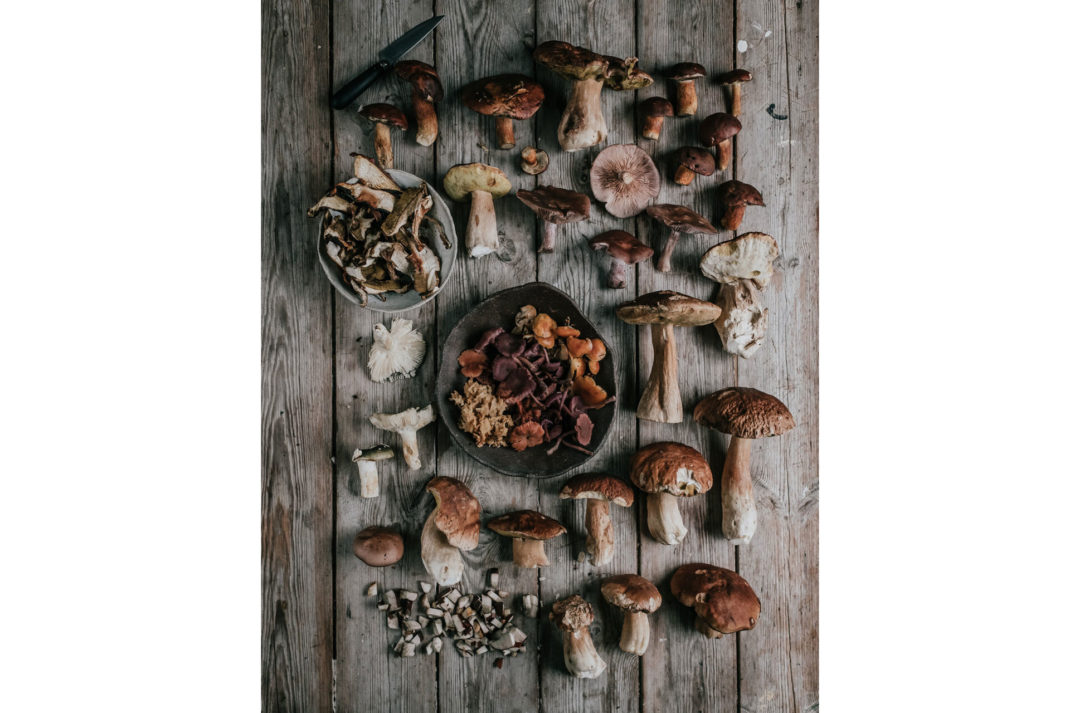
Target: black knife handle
(348,94)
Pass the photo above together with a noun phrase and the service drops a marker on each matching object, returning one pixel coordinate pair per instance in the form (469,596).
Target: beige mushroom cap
(668,307)
(744,413)
(572,614)
(463,179)
(527,525)
(748,257)
(598,486)
(667,467)
(457,512)
(378,546)
(720,597)
(631,592)
(624,177)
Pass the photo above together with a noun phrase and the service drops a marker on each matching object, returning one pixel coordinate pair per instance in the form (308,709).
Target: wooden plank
(296,495)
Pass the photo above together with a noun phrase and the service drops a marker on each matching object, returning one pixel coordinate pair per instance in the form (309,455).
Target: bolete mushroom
(637,596)
(744,414)
(368,469)
(533,161)
(554,207)
(528,530)
(723,601)
(378,546)
(624,250)
(582,123)
(505,97)
(735,79)
(718,130)
(384,116)
(666,471)
(406,424)
(482,184)
(685,74)
(743,319)
(573,616)
(426,90)
(678,219)
(691,160)
(598,490)
(734,197)
(662,311)
(452,526)
(652,112)
(624,177)
(747,257)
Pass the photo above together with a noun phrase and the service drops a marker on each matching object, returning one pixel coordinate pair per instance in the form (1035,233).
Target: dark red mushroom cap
(385,114)
(511,95)
(685,70)
(556,205)
(422,77)
(698,160)
(680,219)
(570,61)
(735,193)
(734,77)
(656,106)
(622,246)
(715,128)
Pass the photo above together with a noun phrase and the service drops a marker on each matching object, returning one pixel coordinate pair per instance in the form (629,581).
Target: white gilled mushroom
(406,424)
(483,183)
(573,616)
(396,353)
(598,490)
(637,596)
(666,471)
(368,469)
(624,177)
(452,526)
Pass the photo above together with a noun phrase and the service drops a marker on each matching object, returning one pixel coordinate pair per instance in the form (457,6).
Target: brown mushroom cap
(378,546)
(680,219)
(527,525)
(667,467)
(542,161)
(572,613)
(668,307)
(463,179)
(511,95)
(734,77)
(735,193)
(744,413)
(570,61)
(622,246)
(457,514)
(715,128)
(685,70)
(656,106)
(422,77)
(747,257)
(624,177)
(598,486)
(631,592)
(623,75)
(720,597)
(698,160)
(556,205)
(385,114)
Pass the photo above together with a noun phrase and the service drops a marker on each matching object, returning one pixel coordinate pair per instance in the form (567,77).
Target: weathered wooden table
(324,643)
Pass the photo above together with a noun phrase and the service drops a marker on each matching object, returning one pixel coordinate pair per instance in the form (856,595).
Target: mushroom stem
(683,176)
(369,478)
(582,124)
(581,657)
(426,119)
(733,217)
(652,127)
(599,531)
(724,154)
(686,98)
(635,635)
(410,448)
(503,127)
(663,519)
(441,559)
(548,231)
(618,272)
(739,518)
(665,259)
(737,99)
(482,236)
(661,397)
(529,553)
(383,150)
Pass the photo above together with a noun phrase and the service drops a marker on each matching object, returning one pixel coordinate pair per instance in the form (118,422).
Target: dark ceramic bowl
(498,310)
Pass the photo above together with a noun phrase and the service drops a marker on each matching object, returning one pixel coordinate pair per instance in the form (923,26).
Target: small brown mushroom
(718,130)
(528,529)
(384,116)
(679,220)
(582,123)
(483,184)
(426,90)
(573,616)
(598,490)
(624,249)
(637,596)
(734,79)
(666,471)
(555,206)
(652,112)
(734,197)
(685,74)
(505,97)
(452,526)
(533,161)
(691,160)
(723,601)
(378,546)
(624,177)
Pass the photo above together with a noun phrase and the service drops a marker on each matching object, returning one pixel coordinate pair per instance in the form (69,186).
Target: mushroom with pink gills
(554,207)
(533,161)
(742,266)
(663,311)
(624,177)
(598,490)
(679,220)
(505,97)
(384,116)
(666,471)
(691,160)
(723,601)
(426,90)
(733,198)
(638,597)
(652,112)
(745,414)
(735,80)
(528,530)
(684,75)
(480,184)
(717,130)
(574,616)
(378,546)
(624,250)
(452,526)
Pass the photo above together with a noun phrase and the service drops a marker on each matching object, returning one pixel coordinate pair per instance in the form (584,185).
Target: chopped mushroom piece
(718,130)
(723,601)
(378,546)
(666,471)
(505,97)
(637,596)
(367,172)
(624,249)
(624,177)
(554,207)
(426,90)
(367,468)
(735,79)
(396,353)
(452,526)
(406,424)
(652,112)
(482,184)
(533,161)
(384,116)
(685,74)
(573,616)
(679,220)
(734,197)
(528,529)
(748,257)
(743,319)
(598,490)
(691,160)
(582,123)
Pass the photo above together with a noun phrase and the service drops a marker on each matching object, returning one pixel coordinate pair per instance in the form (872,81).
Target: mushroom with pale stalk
(573,616)
(624,177)
(406,424)
(718,130)
(533,161)
(652,112)
(685,74)
(691,160)
(735,79)
(744,414)
(368,469)
(378,546)
(528,530)
(426,90)
(734,197)
(582,123)
(555,206)
(384,116)
(637,596)
(452,526)
(743,319)
(747,257)
(397,352)
(666,471)
(481,184)
(723,601)
(505,97)
(624,249)
(679,220)
(598,490)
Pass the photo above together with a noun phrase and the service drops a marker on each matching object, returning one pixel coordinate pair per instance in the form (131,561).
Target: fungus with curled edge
(665,471)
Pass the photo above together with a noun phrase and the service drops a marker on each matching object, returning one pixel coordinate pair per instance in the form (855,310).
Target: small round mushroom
(598,490)
(637,596)
(691,160)
(378,546)
(406,424)
(528,529)
(666,471)
(685,74)
(723,601)
(384,116)
(452,526)
(652,112)
(744,414)
(368,470)
(748,257)
(573,616)
(624,177)
(624,249)
(483,184)
(426,90)
(662,311)
(678,219)
(734,79)
(533,161)
(718,130)
(555,206)
(505,97)
(582,123)
(734,197)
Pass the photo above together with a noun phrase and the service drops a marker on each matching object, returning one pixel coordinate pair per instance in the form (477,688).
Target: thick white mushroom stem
(426,119)
(635,636)
(665,259)
(503,127)
(369,478)
(661,400)
(686,98)
(548,233)
(441,559)
(663,519)
(482,234)
(529,553)
(683,176)
(739,518)
(384,151)
(410,448)
(724,154)
(581,657)
(582,124)
(600,538)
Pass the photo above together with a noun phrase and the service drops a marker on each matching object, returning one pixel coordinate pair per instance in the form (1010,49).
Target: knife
(388,57)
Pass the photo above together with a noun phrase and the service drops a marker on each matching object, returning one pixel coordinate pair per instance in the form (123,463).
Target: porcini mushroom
(406,424)
(598,490)
(744,414)
(555,206)
(624,177)
(678,219)
(652,112)
(735,79)
(528,530)
(662,311)
(505,97)
(743,320)
(573,616)
(637,596)
(378,546)
(533,161)
(582,123)
(685,74)
(734,197)
(624,249)
(718,130)
(452,526)
(747,257)
(691,160)
(723,601)
(666,471)
(397,352)
(482,184)
(426,90)
(384,116)
(368,469)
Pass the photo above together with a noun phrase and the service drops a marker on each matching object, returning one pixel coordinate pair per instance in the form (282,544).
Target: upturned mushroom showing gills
(678,219)
(652,112)
(573,616)
(384,116)
(744,414)
(666,471)
(724,602)
(528,530)
(482,184)
(734,197)
(598,490)
(505,97)
(555,206)
(662,311)
(582,123)
(624,250)
(378,546)
(426,90)
(638,597)
(691,160)
(406,424)
(367,468)
(734,79)
(743,319)
(718,130)
(624,177)
(685,74)
(452,526)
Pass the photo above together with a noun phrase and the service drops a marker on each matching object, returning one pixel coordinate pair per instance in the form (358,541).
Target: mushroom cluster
(742,266)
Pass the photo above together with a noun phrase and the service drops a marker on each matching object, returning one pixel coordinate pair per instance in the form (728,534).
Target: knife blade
(388,57)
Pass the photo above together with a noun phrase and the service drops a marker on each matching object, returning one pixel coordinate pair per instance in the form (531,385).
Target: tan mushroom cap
(736,193)
(745,413)
(748,257)
(667,467)
(668,307)
(556,205)
(656,106)
(624,75)
(378,546)
(680,219)
(598,486)
(527,525)
(423,78)
(734,77)
(461,180)
(698,160)
(572,613)
(718,127)
(631,592)
(570,61)
(624,177)
(542,161)
(511,95)
(622,245)
(720,597)
(385,114)
(685,70)
(457,514)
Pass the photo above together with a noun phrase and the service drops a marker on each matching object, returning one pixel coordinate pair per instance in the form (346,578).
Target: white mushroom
(368,470)
(406,424)
(748,257)
(396,353)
